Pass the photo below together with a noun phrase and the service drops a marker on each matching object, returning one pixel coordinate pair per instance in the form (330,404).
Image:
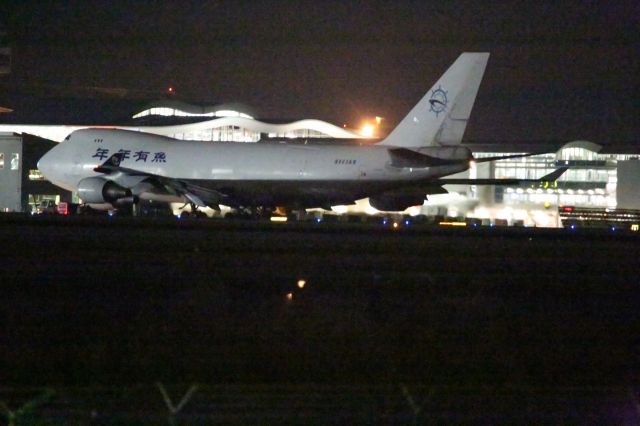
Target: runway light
(572,226)
(278,218)
(318,219)
(407,222)
(301,283)
(385,221)
(395,225)
(289,297)
(453,223)
(635,227)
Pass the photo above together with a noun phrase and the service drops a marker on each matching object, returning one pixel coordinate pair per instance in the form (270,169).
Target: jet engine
(395,202)
(98,190)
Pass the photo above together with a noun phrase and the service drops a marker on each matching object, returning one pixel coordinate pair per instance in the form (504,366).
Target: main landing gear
(193,211)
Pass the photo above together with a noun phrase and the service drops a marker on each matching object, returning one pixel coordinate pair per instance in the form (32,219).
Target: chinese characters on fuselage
(153,157)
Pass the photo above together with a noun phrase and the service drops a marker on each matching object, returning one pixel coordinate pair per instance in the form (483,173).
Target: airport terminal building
(21,183)
(599,177)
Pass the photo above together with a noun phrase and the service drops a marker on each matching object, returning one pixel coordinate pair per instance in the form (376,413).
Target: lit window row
(172,112)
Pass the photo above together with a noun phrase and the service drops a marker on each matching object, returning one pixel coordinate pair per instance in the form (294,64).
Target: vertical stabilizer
(441,116)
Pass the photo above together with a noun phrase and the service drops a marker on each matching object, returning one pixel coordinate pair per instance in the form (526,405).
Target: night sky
(558,70)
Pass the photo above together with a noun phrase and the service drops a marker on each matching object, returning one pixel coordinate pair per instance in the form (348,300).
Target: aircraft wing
(192,192)
(551,177)
(113,165)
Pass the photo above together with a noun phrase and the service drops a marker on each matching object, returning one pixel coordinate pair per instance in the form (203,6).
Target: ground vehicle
(65,208)
(46,206)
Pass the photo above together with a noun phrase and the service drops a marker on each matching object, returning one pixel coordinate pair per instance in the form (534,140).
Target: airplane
(111,168)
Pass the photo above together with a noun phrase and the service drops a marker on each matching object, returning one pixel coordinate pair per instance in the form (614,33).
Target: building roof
(54,119)
(199,109)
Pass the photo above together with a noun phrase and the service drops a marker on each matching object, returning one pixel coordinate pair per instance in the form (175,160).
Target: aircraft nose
(51,164)
(45,164)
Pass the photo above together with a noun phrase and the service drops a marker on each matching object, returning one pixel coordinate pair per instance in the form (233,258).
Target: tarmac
(480,323)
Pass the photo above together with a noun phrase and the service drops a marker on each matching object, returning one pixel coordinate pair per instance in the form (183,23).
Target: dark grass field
(468,326)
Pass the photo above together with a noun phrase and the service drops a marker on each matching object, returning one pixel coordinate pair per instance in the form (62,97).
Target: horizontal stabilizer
(551,177)
(505,157)
(402,157)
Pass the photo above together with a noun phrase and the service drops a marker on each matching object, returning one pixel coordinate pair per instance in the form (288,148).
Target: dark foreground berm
(419,324)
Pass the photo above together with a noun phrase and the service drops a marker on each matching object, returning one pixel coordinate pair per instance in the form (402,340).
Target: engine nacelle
(396,202)
(98,190)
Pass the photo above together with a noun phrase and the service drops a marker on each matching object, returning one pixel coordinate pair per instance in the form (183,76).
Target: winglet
(112,163)
(554,175)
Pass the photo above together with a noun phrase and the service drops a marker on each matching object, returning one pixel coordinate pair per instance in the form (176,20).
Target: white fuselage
(75,159)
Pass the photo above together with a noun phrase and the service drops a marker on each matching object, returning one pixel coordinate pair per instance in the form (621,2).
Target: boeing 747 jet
(111,168)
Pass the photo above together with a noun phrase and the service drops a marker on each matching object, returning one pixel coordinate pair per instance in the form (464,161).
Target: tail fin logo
(438,100)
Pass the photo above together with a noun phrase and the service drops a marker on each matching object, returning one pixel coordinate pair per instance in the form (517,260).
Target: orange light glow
(301,283)
(367,131)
